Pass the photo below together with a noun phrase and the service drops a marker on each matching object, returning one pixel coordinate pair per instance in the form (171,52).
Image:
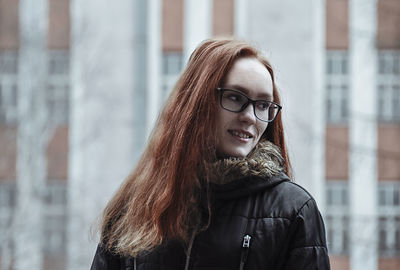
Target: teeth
(240,134)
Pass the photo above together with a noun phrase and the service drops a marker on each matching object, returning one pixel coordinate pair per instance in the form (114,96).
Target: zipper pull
(246,241)
(245,251)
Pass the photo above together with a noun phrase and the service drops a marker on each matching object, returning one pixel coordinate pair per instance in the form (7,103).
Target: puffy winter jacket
(257,222)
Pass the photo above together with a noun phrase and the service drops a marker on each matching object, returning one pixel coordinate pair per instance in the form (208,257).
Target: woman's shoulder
(294,191)
(276,196)
(287,199)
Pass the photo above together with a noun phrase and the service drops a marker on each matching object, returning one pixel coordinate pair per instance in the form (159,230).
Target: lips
(242,134)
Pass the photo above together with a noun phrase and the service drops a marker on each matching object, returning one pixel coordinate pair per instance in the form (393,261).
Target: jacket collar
(265,161)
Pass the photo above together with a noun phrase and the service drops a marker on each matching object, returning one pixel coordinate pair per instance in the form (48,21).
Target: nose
(247,115)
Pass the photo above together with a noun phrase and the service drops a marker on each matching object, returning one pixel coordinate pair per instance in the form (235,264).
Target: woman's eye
(263,106)
(235,97)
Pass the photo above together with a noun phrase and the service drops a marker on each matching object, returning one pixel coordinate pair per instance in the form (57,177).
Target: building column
(102,110)
(154,63)
(32,138)
(292,35)
(363,135)
(197,24)
(240,18)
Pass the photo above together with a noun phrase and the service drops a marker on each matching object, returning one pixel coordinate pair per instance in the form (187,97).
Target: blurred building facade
(176,41)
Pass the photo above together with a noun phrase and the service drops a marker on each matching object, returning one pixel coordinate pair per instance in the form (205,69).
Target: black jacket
(257,222)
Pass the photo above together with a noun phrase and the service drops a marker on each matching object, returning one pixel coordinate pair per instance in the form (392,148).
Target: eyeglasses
(235,101)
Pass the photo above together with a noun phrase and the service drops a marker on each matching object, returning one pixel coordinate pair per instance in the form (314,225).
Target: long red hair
(159,199)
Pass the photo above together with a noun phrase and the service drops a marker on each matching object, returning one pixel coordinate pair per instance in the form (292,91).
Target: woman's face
(239,132)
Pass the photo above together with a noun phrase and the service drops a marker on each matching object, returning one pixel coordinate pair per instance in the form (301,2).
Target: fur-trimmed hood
(264,161)
(235,177)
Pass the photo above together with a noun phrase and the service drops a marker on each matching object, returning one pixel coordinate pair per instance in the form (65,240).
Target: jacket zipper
(245,251)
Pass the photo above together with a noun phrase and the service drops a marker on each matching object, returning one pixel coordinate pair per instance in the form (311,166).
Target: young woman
(211,190)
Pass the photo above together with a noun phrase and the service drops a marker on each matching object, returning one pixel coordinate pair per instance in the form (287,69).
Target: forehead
(251,77)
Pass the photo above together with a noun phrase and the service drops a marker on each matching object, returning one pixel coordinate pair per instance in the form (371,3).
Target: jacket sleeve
(307,242)
(104,260)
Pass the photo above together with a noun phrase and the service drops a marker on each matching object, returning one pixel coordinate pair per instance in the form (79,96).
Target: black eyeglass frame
(249,100)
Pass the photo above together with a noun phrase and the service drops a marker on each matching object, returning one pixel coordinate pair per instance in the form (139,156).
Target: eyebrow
(240,88)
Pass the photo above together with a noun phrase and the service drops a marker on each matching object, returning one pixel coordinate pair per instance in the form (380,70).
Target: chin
(240,153)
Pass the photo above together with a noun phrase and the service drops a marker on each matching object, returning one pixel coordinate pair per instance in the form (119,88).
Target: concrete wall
(337,153)
(388,24)
(337,24)
(9,33)
(223,17)
(172,26)
(59,24)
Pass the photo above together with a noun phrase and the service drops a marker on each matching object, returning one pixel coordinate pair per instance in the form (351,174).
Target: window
(8,62)
(7,194)
(55,217)
(337,92)
(58,63)
(7,203)
(8,86)
(389,232)
(389,194)
(389,218)
(389,62)
(172,63)
(337,217)
(337,194)
(338,220)
(58,86)
(389,86)
(172,67)
(54,234)
(56,195)
(55,214)
(337,86)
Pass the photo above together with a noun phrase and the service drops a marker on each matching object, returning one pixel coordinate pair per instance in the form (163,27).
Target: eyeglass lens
(236,102)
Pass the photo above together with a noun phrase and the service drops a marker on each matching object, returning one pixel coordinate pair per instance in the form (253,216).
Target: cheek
(223,118)
(261,127)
